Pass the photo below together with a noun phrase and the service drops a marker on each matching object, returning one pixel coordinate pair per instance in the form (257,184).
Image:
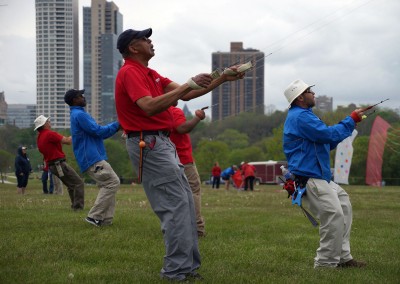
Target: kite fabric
(238,179)
(344,154)
(376,147)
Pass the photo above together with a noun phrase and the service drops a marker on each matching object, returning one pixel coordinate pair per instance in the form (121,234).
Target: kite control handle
(242,68)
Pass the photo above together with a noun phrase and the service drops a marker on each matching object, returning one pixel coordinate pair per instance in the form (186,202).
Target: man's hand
(202,80)
(357,114)
(200,114)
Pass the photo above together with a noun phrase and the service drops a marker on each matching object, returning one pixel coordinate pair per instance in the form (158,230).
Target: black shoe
(352,263)
(195,275)
(92,221)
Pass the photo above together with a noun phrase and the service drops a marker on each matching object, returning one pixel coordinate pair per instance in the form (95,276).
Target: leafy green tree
(272,146)
(6,163)
(209,152)
(249,154)
(359,161)
(391,156)
(234,139)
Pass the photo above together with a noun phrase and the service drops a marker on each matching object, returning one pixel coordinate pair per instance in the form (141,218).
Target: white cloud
(350,50)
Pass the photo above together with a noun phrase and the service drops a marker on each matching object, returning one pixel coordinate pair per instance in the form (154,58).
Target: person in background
(248,172)
(90,154)
(22,169)
(181,138)
(307,142)
(143,99)
(47,176)
(227,174)
(50,145)
(216,175)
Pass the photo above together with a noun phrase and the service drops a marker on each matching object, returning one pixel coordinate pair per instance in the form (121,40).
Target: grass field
(256,237)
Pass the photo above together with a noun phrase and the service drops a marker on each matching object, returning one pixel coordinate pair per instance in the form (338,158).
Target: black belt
(148,132)
(53,162)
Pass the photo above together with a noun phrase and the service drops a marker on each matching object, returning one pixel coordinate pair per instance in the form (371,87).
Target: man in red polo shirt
(143,99)
(50,145)
(181,138)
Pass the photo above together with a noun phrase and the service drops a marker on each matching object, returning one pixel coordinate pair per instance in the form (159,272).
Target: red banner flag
(376,147)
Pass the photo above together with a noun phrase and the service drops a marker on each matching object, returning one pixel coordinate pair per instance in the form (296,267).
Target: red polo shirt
(133,82)
(49,144)
(182,141)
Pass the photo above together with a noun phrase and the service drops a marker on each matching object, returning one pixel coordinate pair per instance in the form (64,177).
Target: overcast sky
(349,49)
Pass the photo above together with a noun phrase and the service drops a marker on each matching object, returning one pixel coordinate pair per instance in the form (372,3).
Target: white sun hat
(295,89)
(40,121)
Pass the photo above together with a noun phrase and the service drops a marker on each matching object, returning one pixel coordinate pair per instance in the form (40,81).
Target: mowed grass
(253,237)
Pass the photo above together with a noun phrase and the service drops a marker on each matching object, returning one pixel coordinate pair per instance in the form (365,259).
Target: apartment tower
(102,23)
(232,98)
(57,57)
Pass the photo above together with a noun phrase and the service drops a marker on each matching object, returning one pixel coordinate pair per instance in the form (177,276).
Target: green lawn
(254,237)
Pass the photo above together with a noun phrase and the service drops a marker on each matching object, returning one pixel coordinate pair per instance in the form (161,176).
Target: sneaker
(352,263)
(92,221)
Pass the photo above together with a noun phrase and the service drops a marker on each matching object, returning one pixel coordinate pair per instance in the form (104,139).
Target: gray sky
(349,49)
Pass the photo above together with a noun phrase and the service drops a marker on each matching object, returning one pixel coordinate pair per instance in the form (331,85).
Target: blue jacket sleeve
(314,129)
(90,126)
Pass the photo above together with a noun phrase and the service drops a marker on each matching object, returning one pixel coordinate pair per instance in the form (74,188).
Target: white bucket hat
(40,121)
(295,89)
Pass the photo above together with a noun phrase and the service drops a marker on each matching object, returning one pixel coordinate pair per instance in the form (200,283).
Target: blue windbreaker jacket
(88,136)
(307,142)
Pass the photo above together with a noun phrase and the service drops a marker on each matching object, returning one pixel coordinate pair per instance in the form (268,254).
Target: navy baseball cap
(71,94)
(127,36)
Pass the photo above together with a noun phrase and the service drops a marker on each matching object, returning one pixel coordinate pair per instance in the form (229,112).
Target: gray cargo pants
(171,199)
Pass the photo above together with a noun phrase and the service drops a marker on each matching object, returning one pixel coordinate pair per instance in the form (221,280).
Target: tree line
(245,137)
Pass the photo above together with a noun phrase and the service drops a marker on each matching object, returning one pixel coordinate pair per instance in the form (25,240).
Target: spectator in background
(216,175)
(227,174)
(47,175)
(22,169)
(181,138)
(248,172)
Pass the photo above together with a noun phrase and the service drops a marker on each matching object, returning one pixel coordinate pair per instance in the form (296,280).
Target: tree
(6,163)
(234,139)
(209,152)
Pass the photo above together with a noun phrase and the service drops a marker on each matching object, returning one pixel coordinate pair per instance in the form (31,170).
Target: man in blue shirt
(307,142)
(89,151)
(226,175)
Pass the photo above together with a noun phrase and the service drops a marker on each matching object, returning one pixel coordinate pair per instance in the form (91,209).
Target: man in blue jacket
(227,174)
(89,151)
(307,142)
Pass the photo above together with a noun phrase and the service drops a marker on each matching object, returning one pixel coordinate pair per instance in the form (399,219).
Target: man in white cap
(50,145)
(307,142)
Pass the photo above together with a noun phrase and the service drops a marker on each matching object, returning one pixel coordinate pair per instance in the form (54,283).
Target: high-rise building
(57,57)
(324,103)
(102,23)
(232,98)
(21,115)
(3,109)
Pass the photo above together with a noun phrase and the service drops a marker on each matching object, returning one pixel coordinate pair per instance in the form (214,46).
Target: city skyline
(348,49)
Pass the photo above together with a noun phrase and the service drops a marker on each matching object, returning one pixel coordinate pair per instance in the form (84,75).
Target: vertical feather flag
(344,154)
(377,141)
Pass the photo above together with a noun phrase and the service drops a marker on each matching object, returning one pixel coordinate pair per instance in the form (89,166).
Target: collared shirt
(133,82)
(182,141)
(49,144)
